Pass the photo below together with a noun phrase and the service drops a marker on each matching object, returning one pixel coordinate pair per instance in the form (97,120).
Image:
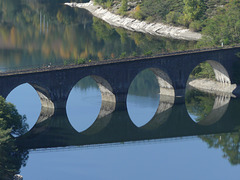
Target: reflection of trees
(229,143)
(199,104)
(86,83)
(144,84)
(71,34)
(11,123)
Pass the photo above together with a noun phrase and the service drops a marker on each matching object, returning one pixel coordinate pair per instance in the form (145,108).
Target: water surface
(150,137)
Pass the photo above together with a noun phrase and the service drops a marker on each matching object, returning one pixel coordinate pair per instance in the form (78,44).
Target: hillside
(218,19)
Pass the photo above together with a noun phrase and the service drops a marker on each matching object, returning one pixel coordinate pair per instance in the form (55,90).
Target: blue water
(24,44)
(187,158)
(141,109)
(178,159)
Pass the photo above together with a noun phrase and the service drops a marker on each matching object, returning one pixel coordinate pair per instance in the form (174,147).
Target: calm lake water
(150,137)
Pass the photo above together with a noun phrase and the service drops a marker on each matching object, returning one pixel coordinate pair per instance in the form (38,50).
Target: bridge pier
(121,97)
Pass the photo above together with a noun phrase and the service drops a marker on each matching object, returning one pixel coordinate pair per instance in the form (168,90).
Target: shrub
(172,17)
(138,13)
(196,26)
(123,8)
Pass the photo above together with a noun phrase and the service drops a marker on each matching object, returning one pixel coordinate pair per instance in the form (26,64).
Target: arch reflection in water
(163,112)
(143,97)
(84,103)
(206,108)
(103,118)
(96,100)
(27,102)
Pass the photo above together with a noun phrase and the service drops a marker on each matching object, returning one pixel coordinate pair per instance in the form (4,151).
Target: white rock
(157,29)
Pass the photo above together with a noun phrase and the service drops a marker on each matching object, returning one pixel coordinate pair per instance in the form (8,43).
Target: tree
(11,157)
(193,10)
(124,6)
(11,122)
(223,27)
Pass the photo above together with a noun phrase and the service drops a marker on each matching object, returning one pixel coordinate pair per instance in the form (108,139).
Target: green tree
(10,121)
(172,17)
(193,10)
(124,7)
(223,27)
(203,70)
(11,157)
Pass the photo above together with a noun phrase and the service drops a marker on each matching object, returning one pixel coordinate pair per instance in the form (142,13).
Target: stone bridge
(172,71)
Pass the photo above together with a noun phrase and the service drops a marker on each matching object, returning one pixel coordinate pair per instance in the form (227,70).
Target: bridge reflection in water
(113,125)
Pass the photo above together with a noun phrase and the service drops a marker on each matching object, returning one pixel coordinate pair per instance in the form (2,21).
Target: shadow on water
(115,126)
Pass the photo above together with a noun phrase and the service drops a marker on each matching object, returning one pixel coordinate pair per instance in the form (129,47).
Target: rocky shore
(212,86)
(157,29)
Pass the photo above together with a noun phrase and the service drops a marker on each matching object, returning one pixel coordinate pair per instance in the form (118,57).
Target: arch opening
(90,100)
(221,74)
(105,89)
(208,92)
(210,76)
(27,102)
(149,95)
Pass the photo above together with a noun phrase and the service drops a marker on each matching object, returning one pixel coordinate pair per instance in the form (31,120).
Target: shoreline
(212,86)
(157,29)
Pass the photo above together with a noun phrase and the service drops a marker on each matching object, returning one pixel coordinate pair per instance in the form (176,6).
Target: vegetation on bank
(203,70)
(11,123)
(219,20)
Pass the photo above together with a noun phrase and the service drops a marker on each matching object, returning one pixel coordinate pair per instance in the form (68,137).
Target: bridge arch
(105,89)
(156,98)
(44,95)
(220,72)
(27,101)
(42,92)
(103,85)
(164,82)
(99,111)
